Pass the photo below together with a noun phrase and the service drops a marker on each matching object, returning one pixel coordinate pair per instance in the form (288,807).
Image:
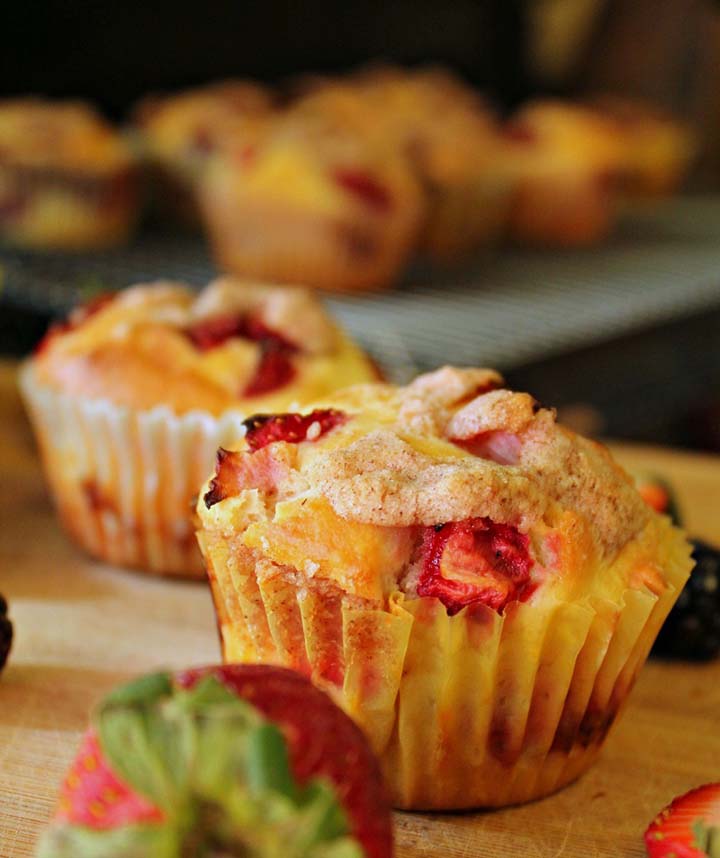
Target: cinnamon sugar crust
(406,458)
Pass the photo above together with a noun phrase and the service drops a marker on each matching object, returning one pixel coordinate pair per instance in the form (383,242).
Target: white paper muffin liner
(123,481)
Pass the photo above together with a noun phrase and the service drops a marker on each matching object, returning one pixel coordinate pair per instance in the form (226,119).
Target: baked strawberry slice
(274,371)
(263,429)
(237,470)
(364,187)
(475,562)
(240,761)
(689,827)
(216,330)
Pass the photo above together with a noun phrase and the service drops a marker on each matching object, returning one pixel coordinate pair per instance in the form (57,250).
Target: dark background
(113,52)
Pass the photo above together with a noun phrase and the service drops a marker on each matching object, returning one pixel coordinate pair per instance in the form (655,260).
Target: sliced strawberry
(213,332)
(475,562)
(517,131)
(364,187)
(263,429)
(322,742)
(496,445)
(274,371)
(78,316)
(236,471)
(689,827)
(93,796)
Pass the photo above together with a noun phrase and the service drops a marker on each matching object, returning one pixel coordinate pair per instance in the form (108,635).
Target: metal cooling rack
(502,310)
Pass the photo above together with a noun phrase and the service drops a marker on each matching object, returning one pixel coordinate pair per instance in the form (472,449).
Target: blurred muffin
(568,162)
(132,396)
(179,132)
(449,136)
(68,180)
(476,585)
(314,203)
(659,148)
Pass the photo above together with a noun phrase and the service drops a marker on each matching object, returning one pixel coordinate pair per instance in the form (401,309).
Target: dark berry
(6,633)
(692,630)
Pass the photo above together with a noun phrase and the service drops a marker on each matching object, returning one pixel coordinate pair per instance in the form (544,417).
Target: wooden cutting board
(82,627)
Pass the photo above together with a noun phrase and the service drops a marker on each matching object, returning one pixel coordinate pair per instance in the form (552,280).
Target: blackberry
(692,630)
(6,633)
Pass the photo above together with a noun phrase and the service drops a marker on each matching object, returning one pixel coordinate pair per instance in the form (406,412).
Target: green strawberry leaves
(707,838)
(219,772)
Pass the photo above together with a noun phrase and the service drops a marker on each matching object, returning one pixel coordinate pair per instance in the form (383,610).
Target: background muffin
(475,584)
(569,163)
(131,397)
(68,180)
(179,132)
(312,202)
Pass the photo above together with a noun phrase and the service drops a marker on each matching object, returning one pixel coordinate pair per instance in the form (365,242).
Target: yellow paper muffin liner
(473,710)
(123,481)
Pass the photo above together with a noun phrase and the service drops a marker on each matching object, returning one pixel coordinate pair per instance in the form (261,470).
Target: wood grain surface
(81,627)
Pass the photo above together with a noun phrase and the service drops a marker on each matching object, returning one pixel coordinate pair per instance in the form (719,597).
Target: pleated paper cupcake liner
(474,710)
(123,481)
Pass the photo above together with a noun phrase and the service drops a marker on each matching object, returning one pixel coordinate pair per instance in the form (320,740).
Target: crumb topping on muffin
(515,498)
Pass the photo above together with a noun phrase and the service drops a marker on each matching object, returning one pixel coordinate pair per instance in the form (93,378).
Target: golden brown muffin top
(59,135)
(235,345)
(197,120)
(452,486)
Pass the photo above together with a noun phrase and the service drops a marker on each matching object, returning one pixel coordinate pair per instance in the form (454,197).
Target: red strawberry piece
(322,742)
(274,371)
(520,132)
(78,316)
(689,827)
(93,796)
(475,562)
(263,429)
(213,332)
(363,187)
(235,471)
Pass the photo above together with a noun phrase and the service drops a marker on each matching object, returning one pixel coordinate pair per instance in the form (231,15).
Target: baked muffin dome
(477,585)
(179,132)
(312,202)
(569,162)
(131,397)
(234,345)
(447,133)
(67,178)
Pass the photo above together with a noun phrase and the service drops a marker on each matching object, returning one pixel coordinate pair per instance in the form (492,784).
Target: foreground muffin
(476,585)
(132,396)
(179,132)
(312,202)
(235,761)
(68,180)
(569,162)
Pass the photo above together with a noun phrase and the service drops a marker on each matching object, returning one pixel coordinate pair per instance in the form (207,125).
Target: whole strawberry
(689,827)
(238,761)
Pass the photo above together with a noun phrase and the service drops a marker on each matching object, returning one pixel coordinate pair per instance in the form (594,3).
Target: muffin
(315,203)
(179,132)
(68,180)
(132,396)
(476,585)
(448,135)
(568,162)
(659,148)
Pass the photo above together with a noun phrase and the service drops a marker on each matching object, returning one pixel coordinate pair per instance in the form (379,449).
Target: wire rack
(504,309)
